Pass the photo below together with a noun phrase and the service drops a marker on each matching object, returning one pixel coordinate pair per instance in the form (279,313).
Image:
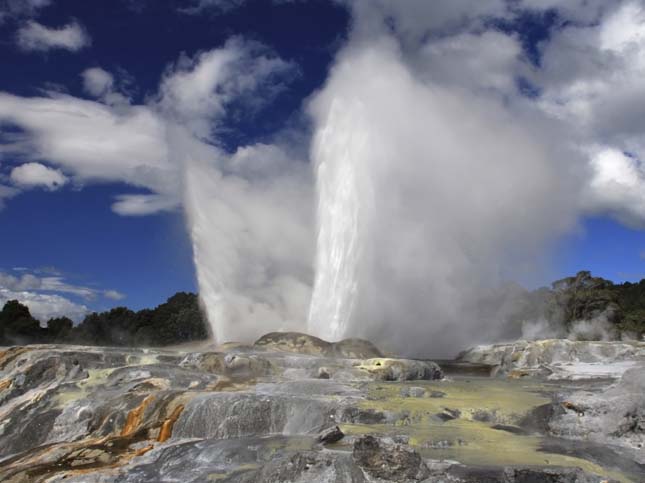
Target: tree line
(177,320)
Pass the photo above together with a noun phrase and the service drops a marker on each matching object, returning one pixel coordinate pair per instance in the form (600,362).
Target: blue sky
(74,229)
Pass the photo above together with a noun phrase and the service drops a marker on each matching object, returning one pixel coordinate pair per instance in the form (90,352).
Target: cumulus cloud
(142,205)
(97,82)
(100,84)
(48,296)
(36,174)
(112,140)
(34,36)
(93,141)
(45,306)
(617,186)
(113,295)
(197,91)
(591,77)
(31,281)
(20,8)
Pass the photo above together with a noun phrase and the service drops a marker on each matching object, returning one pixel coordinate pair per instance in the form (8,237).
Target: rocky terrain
(293,408)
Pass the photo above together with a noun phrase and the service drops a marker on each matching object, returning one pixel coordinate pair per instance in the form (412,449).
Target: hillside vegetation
(177,320)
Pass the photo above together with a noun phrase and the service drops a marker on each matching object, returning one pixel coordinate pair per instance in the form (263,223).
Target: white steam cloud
(248,212)
(426,198)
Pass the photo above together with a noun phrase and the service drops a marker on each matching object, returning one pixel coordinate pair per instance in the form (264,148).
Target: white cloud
(592,79)
(100,84)
(46,295)
(414,20)
(113,295)
(141,205)
(22,8)
(45,306)
(96,142)
(34,36)
(36,174)
(30,281)
(112,140)
(97,82)
(617,187)
(196,91)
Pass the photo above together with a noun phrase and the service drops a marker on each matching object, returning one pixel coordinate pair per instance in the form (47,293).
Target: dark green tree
(59,329)
(18,326)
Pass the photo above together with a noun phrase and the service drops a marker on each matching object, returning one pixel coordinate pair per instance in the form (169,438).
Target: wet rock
(390,462)
(551,475)
(310,345)
(356,415)
(294,342)
(510,429)
(538,419)
(232,364)
(239,414)
(464,474)
(356,349)
(449,414)
(559,358)
(615,415)
(331,435)
(444,443)
(310,467)
(413,392)
(401,369)
(323,373)
(250,414)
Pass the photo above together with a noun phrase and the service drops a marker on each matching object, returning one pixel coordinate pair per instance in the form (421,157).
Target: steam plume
(428,196)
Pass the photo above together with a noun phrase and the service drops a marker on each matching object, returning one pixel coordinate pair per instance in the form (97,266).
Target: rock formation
(290,408)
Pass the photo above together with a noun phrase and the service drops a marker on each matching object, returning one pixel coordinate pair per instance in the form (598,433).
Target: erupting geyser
(339,230)
(434,186)
(426,200)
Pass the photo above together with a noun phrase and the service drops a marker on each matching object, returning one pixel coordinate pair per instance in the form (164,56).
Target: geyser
(251,240)
(428,196)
